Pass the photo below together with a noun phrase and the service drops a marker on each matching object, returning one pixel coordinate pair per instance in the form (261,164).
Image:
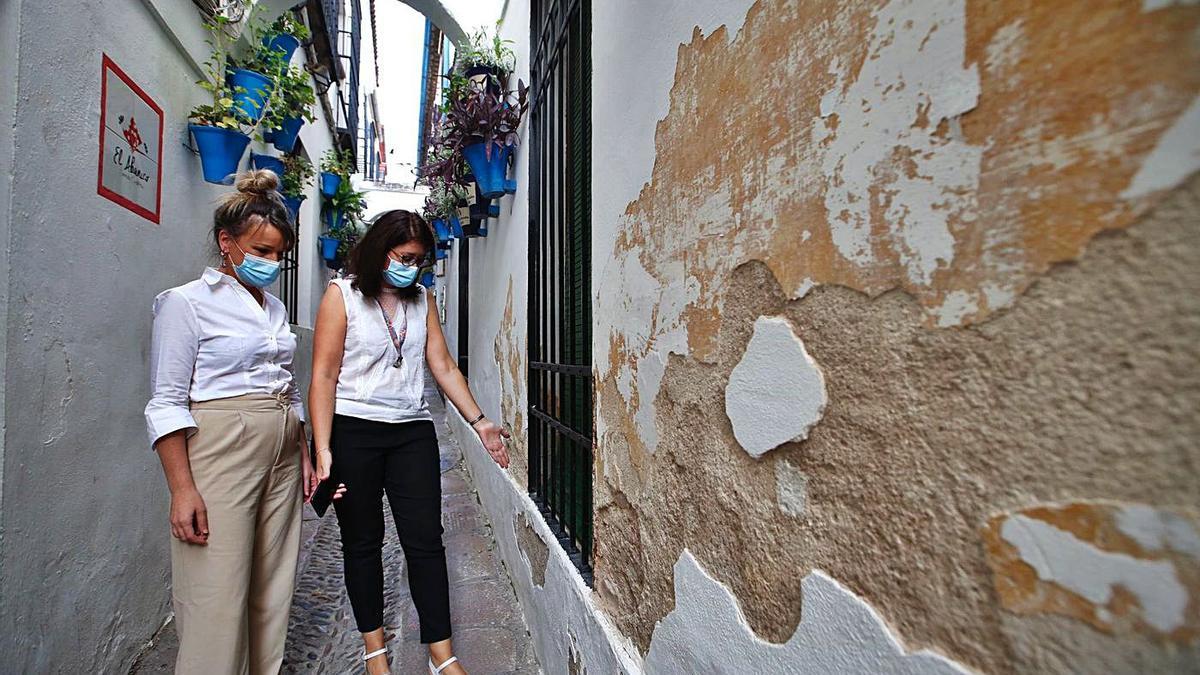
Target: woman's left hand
(309,473)
(493,440)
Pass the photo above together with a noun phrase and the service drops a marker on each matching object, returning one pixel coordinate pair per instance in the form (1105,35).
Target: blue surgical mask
(256,271)
(399,274)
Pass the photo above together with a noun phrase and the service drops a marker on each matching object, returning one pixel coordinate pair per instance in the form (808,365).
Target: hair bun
(260,182)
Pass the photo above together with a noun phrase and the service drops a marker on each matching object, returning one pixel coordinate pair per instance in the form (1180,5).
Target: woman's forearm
(172,452)
(320,409)
(454,385)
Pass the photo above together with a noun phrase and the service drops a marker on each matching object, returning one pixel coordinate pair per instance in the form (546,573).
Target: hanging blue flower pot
(220,151)
(489,171)
(286,43)
(334,218)
(267,162)
(251,102)
(293,205)
(427,280)
(442,253)
(494,210)
(330,183)
(456,229)
(510,186)
(441,230)
(329,247)
(284,139)
(483,229)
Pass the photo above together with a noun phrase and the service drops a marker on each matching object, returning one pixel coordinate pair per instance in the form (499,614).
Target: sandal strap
(445,664)
(377,652)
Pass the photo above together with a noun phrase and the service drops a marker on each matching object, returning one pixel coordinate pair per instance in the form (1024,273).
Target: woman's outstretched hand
(493,437)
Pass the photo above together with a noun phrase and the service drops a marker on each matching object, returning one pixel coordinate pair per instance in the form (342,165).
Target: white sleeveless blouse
(368,386)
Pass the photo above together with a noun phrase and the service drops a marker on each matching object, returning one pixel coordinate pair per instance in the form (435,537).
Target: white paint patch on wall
(776,393)
(791,487)
(882,150)
(955,306)
(1059,557)
(838,633)
(1175,157)
(1156,530)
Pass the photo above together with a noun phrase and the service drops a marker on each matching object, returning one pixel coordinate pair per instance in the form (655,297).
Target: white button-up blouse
(213,340)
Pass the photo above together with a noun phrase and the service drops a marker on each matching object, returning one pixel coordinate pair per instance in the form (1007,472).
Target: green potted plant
(221,138)
(286,35)
(253,76)
(336,167)
(487,59)
(296,182)
(292,102)
(342,211)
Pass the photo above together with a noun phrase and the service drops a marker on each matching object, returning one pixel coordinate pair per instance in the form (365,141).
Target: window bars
(560,316)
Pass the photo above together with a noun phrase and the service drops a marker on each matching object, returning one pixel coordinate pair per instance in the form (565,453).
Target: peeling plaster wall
(84,568)
(977,221)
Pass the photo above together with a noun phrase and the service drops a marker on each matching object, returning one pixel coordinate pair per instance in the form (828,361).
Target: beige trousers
(232,597)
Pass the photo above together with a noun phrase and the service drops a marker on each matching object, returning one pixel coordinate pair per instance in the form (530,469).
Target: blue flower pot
(267,162)
(456,229)
(441,230)
(510,186)
(334,218)
(494,210)
(483,229)
(251,103)
(285,139)
(284,42)
(489,172)
(220,152)
(329,247)
(330,183)
(293,205)
(442,253)
(427,280)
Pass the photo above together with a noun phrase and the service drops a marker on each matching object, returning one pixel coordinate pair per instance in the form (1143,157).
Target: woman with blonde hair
(227,421)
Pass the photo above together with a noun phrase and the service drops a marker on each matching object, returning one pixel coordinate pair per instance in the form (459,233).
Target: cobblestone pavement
(490,636)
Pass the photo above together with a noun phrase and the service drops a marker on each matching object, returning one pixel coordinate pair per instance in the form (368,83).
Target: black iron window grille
(560,312)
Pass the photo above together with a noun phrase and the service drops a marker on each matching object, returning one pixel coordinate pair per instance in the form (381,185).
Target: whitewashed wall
(84,567)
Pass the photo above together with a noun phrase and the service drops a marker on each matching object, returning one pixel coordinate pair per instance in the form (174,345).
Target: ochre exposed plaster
(510,356)
(1085,560)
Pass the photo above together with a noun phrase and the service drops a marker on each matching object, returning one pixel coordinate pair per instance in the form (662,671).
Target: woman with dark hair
(373,432)
(226,419)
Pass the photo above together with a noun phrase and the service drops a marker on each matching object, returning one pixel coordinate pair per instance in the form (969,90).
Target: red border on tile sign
(153,216)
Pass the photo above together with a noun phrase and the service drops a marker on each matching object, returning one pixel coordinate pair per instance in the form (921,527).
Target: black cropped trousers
(399,460)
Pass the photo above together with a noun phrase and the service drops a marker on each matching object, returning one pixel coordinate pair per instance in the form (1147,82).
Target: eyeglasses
(410,260)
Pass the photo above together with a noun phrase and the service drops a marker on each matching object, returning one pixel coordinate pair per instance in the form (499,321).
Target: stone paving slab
(490,636)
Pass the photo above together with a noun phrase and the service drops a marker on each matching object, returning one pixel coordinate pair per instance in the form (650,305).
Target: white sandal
(367,657)
(445,664)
